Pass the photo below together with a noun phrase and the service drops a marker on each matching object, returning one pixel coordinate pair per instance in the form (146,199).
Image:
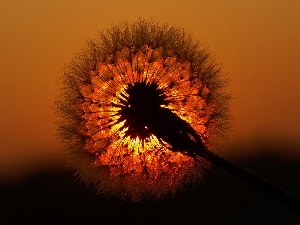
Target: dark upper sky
(257,43)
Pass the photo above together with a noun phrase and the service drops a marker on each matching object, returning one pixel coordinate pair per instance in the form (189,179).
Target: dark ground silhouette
(55,197)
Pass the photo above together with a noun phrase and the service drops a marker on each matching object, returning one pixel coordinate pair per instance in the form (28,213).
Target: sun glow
(106,94)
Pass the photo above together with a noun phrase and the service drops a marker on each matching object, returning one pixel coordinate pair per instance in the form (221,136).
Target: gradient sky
(257,42)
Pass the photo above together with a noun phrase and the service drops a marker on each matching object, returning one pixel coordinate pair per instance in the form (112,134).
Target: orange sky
(258,43)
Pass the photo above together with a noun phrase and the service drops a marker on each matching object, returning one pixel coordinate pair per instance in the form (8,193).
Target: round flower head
(126,100)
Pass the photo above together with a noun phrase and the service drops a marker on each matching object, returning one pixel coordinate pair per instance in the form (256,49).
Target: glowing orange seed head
(124,97)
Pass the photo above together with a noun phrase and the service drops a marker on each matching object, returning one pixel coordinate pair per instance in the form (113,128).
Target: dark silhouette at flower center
(143,109)
(140,107)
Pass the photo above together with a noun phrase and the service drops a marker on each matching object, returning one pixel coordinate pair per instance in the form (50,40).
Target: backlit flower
(129,97)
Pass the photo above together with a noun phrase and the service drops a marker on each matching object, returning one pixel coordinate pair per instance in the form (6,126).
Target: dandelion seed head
(116,95)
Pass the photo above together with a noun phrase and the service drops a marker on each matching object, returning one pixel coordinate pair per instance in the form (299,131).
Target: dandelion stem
(259,182)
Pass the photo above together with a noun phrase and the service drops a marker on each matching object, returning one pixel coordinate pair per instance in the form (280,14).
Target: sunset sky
(257,43)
